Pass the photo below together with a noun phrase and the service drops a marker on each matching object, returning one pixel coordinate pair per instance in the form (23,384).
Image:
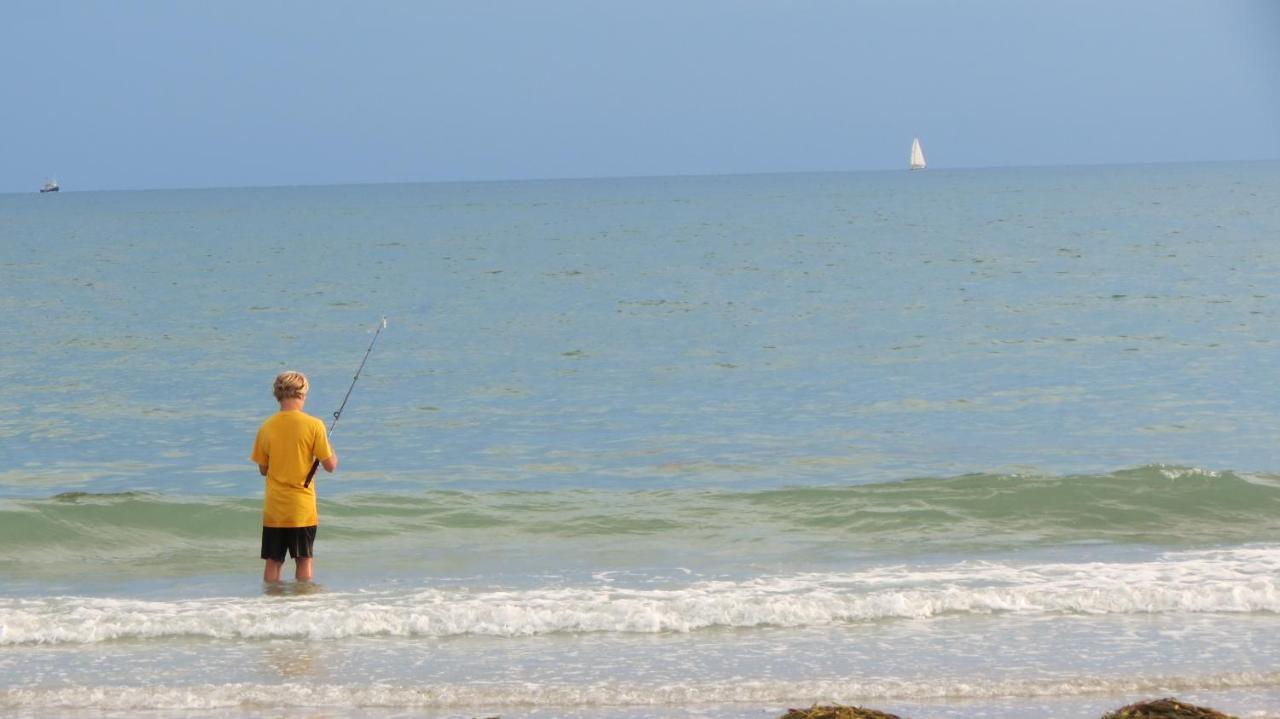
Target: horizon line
(690,175)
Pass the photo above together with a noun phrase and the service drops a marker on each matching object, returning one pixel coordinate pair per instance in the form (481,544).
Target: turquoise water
(955,444)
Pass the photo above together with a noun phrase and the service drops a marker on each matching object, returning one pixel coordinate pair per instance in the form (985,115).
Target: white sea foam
(1245,580)
(618,694)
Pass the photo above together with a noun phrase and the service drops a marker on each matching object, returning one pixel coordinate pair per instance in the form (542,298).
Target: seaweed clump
(1165,709)
(1157,709)
(837,712)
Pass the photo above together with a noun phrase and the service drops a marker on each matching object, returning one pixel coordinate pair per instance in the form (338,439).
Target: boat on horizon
(50,186)
(917,155)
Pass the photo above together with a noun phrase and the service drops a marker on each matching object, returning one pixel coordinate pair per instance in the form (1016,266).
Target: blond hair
(290,385)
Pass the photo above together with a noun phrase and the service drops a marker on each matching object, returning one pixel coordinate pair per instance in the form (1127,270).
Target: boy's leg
(301,552)
(270,551)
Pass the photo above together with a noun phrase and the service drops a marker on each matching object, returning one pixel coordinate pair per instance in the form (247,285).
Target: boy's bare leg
(303,569)
(271,572)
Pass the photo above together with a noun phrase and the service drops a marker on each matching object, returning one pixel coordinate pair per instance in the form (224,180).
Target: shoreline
(351,701)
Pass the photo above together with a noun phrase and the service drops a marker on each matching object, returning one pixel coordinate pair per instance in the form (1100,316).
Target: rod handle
(315,464)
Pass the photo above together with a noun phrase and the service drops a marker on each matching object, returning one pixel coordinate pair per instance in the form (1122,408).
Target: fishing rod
(315,464)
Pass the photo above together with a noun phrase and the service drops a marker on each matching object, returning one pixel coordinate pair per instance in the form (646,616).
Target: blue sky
(130,94)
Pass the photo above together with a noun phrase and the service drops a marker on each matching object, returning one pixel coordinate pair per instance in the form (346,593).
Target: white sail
(917,155)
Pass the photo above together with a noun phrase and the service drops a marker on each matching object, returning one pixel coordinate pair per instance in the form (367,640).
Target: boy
(286,445)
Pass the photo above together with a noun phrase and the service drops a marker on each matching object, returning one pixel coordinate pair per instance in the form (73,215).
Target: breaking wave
(1156,505)
(1238,581)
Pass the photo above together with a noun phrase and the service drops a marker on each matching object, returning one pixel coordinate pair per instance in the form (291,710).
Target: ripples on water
(766,331)
(1001,437)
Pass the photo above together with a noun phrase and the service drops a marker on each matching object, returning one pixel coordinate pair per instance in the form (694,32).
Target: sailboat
(917,155)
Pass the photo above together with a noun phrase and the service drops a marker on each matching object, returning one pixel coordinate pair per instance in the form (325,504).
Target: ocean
(979,444)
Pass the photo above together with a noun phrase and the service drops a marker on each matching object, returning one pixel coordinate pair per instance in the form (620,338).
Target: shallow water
(986,443)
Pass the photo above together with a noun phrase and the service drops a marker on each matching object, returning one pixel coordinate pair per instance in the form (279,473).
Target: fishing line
(315,464)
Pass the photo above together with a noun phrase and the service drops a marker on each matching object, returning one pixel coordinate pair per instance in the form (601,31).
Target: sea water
(981,443)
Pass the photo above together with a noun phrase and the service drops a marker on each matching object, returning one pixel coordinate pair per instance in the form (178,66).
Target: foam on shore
(1239,581)
(533,694)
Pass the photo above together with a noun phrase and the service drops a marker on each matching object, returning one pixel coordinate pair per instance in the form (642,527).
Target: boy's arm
(259,454)
(323,448)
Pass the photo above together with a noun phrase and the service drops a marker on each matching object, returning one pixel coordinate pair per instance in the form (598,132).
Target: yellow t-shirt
(288,442)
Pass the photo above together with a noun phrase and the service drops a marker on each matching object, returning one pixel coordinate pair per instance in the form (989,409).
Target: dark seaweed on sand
(837,712)
(1165,709)
(1157,709)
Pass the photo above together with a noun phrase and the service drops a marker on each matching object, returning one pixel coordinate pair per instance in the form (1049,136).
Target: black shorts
(296,541)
